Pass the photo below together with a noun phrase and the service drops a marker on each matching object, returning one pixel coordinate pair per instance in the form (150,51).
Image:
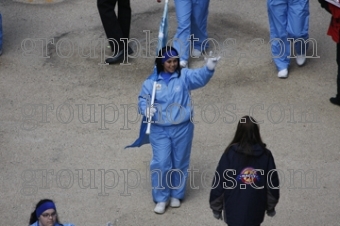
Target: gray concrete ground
(49,151)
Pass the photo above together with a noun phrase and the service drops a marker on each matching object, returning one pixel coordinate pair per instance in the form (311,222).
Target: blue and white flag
(163,29)
(162,41)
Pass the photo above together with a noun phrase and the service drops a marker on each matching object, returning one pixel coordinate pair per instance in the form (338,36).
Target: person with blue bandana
(288,19)
(45,214)
(172,128)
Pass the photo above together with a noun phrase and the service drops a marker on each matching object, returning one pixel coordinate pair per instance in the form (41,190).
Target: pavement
(66,118)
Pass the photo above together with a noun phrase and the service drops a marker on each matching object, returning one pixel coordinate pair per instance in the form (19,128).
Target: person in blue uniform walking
(45,214)
(288,19)
(192,19)
(171,130)
(246,184)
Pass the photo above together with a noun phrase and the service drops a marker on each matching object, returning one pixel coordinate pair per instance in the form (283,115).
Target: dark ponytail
(33,217)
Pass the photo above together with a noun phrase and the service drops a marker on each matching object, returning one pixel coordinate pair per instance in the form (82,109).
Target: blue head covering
(45,206)
(169,54)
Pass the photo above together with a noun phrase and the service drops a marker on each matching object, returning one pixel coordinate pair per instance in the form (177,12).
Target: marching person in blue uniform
(246,184)
(171,129)
(45,214)
(192,19)
(288,19)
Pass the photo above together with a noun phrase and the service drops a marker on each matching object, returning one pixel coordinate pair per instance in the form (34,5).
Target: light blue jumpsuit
(287,19)
(172,131)
(192,16)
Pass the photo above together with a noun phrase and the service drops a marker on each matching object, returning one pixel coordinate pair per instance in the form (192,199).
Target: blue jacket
(172,100)
(66,224)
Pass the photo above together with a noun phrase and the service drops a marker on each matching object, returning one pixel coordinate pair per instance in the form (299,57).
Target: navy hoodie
(245,186)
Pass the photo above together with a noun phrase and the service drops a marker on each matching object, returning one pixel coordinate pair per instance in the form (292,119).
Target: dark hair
(246,136)
(34,217)
(158,61)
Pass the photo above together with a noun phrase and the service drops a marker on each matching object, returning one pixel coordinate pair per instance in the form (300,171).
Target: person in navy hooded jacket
(246,184)
(45,214)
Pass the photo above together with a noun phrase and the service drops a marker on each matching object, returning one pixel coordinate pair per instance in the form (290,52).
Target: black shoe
(335,100)
(116,59)
(130,51)
(119,57)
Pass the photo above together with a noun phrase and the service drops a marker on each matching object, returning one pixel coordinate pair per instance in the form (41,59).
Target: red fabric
(334,27)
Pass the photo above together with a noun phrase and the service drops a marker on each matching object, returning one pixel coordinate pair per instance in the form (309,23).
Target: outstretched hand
(211,62)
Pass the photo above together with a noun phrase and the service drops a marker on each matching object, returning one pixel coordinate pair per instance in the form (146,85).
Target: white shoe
(160,207)
(300,60)
(283,73)
(175,202)
(183,63)
(196,53)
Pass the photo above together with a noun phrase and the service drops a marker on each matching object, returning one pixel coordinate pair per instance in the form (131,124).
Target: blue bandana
(43,207)
(169,54)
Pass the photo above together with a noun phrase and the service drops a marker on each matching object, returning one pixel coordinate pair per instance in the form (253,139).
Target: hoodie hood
(257,150)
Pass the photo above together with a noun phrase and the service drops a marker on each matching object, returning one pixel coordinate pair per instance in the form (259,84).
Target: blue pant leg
(199,20)
(182,36)
(181,141)
(277,14)
(298,24)
(0,32)
(160,163)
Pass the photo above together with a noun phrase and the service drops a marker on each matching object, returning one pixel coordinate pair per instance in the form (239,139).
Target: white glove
(150,112)
(212,61)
